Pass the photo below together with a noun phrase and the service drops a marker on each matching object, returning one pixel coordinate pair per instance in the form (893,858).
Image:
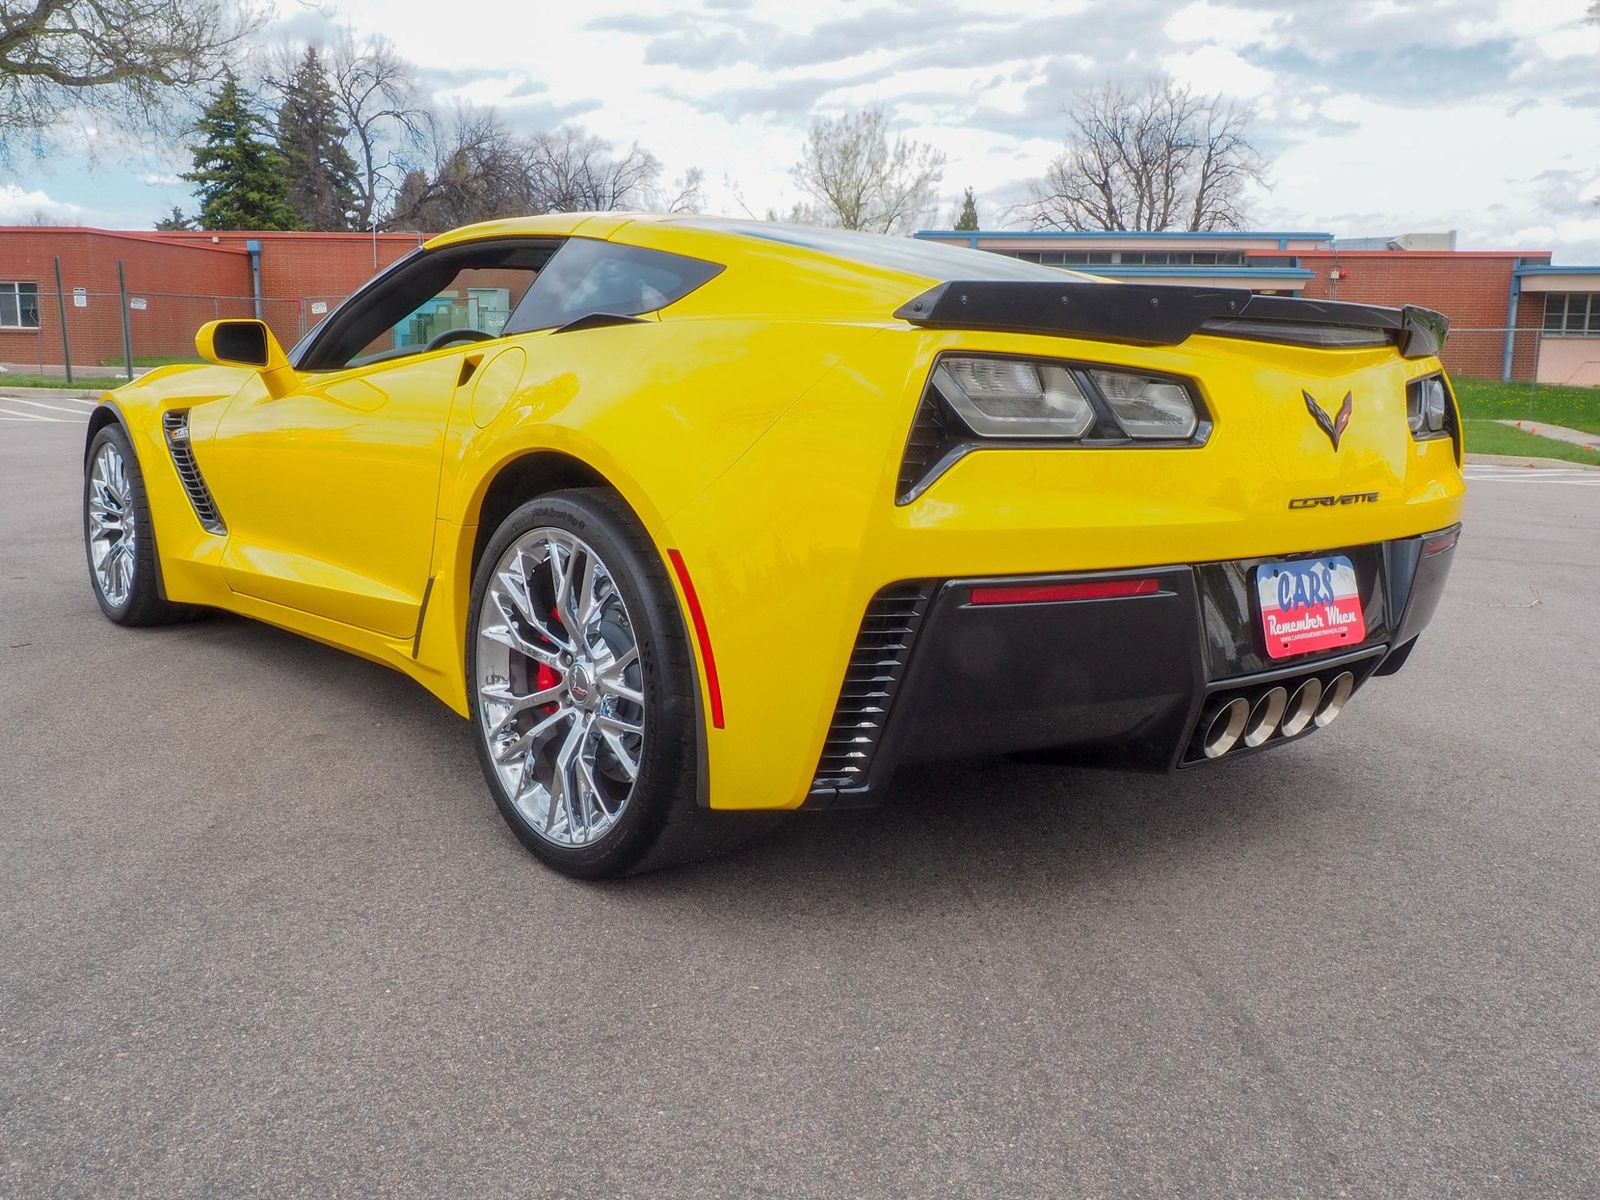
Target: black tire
(662,823)
(145,602)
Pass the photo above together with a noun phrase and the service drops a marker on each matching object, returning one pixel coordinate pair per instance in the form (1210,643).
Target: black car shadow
(990,826)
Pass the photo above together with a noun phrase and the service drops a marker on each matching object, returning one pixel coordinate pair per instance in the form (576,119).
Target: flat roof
(1548,269)
(1394,255)
(1175,234)
(1228,271)
(132,235)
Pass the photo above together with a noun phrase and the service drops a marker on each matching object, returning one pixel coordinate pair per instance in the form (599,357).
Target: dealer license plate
(1310,604)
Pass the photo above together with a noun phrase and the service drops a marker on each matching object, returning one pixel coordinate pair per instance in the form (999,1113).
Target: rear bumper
(1117,681)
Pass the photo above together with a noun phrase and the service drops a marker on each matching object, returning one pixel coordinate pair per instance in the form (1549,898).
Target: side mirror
(245,343)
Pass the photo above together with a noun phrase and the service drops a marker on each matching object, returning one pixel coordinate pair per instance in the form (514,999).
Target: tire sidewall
(666,769)
(113,435)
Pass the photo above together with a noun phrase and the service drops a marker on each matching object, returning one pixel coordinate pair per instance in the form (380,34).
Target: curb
(33,393)
(1535,464)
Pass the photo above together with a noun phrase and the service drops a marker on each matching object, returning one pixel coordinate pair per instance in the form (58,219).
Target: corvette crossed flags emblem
(1334,427)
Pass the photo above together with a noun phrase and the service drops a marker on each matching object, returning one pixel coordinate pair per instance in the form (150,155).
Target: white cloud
(20,205)
(1213,69)
(1237,28)
(1368,136)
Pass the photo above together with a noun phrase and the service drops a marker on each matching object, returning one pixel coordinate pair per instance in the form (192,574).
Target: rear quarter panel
(792,541)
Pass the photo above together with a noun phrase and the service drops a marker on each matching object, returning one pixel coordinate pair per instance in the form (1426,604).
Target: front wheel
(583,690)
(119,537)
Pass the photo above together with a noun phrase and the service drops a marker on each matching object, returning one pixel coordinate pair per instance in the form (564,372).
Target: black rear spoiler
(1166,314)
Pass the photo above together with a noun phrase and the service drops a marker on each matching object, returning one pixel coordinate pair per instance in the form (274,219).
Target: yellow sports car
(690,515)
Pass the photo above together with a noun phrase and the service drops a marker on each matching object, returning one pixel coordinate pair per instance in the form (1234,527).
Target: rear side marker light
(702,635)
(1047,593)
(1439,543)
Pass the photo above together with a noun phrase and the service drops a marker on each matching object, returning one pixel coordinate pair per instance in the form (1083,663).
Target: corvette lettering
(1334,501)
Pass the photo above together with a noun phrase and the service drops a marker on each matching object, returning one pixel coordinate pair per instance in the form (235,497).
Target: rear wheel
(583,691)
(119,537)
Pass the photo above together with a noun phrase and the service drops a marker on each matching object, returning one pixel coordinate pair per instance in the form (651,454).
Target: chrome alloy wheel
(560,688)
(113,533)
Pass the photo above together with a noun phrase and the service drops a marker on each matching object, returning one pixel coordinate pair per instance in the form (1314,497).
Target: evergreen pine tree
(238,173)
(311,138)
(174,222)
(967,222)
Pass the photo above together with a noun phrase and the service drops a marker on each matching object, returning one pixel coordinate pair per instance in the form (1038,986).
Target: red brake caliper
(546,678)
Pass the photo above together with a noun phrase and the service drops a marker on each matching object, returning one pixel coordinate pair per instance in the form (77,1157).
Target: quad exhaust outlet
(1253,717)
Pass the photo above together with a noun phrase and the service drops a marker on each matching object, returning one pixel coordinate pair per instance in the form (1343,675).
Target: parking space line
(10,401)
(1562,478)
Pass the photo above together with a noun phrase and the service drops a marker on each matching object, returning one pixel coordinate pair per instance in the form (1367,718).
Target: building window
(1131,258)
(1572,314)
(19,305)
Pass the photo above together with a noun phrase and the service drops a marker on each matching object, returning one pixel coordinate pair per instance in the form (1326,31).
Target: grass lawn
(1487,437)
(1530,403)
(80,383)
(151,360)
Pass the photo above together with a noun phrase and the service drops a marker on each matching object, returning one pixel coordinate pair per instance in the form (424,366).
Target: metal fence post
(127,333)
(61,313)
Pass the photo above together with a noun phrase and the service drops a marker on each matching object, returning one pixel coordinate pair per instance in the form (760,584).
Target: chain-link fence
(1510,373)
(95,334)
(101,334)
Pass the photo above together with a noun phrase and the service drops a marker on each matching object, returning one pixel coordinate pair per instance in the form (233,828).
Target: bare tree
(480,171)
(381,104)
(135,62)
(575,172)
(1158,158)
(686,194)
(861,180)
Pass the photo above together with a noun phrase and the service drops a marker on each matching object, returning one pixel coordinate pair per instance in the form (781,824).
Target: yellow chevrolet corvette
(689,515)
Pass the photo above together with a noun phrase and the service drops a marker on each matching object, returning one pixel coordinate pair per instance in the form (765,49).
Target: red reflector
(702,635)
(1044,593)
(1439,543)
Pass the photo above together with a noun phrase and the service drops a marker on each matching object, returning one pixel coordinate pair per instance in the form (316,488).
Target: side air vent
(870,681)
(935,431)
(176,426)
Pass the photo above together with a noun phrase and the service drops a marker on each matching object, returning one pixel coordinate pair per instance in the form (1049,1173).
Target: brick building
(174,282)
(1514,315)
(1497,301)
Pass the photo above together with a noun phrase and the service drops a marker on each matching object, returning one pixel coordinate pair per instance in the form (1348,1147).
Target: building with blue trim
(1513,314)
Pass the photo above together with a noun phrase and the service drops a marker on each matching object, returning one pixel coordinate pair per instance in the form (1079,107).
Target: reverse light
(1427,407)
(1146,406)
(1015,398)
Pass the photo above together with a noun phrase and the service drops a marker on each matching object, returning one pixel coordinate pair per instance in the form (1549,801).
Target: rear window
(587,276)
(930,259)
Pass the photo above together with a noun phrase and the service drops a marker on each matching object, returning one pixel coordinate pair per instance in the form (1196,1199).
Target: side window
(469,290)
(588,276)
(476,298)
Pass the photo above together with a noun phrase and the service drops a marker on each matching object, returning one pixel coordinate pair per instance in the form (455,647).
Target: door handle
(469,364)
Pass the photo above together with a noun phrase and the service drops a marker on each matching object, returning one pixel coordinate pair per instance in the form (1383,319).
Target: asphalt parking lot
(265,934)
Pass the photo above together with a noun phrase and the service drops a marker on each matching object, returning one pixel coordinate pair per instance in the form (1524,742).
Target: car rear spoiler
(1167,314)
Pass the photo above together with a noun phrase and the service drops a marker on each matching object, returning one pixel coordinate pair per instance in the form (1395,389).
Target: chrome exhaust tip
(1302,707)
(1264,717)
(1334,698)
(1223,728)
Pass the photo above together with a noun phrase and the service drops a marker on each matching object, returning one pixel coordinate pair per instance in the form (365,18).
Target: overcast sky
(1381,116)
